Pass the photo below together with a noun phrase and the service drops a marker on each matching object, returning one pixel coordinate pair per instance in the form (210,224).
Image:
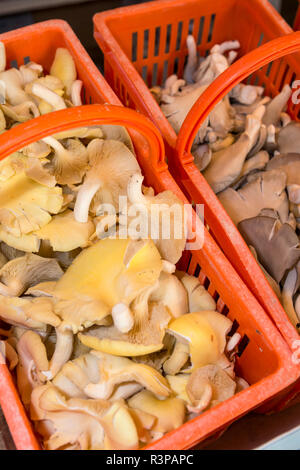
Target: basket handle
(82,116)
(222,85)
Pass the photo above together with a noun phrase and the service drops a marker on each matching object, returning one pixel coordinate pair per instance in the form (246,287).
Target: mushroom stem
(192,59)
(56,101)
(84,198)
(6,291)
(177,359)
(232,343)
(2,57)
(122,317)
(134,190)
(63,350)
(76,92)
(200,405)
(287,296)
(168,267)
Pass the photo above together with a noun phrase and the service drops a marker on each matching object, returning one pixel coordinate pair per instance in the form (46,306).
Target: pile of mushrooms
(111,347)
(248,149)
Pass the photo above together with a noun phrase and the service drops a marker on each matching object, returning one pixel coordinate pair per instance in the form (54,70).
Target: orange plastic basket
(143,44)
(134,55)
(264,359)
(297,18)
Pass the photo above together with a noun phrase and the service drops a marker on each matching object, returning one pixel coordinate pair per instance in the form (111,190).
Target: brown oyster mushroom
(277,106)
(209,386)
(276,244)
(202,156)
(19,274)
(290,287)
(290,164)
(226,165)
(275,285)
(289,138)
(265,191)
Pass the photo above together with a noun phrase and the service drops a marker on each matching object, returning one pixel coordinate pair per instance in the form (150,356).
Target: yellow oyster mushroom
(63,67)
(26,205)
(195,330)
(65,233)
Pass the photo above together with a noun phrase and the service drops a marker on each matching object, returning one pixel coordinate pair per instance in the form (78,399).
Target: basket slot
(26,60)
(242,345)
(200,30)
(211,27)
(235,327)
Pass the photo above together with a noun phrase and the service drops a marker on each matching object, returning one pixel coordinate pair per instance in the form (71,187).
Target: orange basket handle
(82,116)
(236,73)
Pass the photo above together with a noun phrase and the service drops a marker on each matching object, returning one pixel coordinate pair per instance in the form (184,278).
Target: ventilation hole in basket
(197,270)
(292,79)
(146,44)
(191,26)
(175,69)
(83,96)
(256,81)
(216,296)
(168,38)
(14,64)
(154,74)
(165,71)
(211,27)
(134,47)
(90,100)
(225,310)
(200,32)
(242,345)
(260,40)
(179,34)
(249,79)
(188,263)
(26,60)
(234,328)
(157,41)
(206,283)
(207,52)
(269,69)
(298,115)
(283,78)
(144,73)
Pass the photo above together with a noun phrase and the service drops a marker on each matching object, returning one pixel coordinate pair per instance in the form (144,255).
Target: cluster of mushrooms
(248,149)
(111,347)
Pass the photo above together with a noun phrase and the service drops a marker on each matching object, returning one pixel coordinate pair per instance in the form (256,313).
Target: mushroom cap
(198,297)
(28,243)
(223,387)
(21,273)
(63,67)
(112,270)
(37,172)
(266,191)
(289,164)
(172,294)
(169,413)
(118,133)
(65,233)
(69,162)
(26,205)
(289,138)
(203,341)
(276,245)
(145,338)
